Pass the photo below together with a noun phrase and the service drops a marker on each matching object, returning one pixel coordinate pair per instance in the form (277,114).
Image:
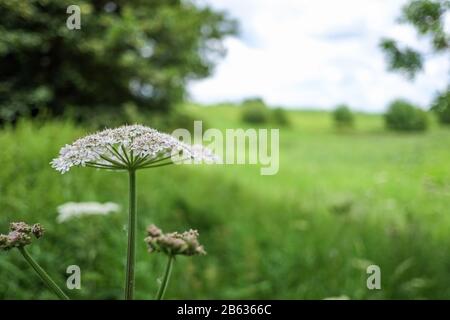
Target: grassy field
(340,202)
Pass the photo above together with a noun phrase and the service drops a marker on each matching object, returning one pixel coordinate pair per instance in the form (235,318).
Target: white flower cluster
(71,210)
(125,146)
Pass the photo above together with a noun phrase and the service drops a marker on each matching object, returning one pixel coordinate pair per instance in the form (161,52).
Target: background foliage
(403,116)
(441,106)
(133,52)
(427,17)
(343,117)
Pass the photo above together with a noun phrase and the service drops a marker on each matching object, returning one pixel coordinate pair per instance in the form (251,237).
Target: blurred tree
(280,117)
(441,106)
(403,116)
(127,51)
(253,100)
(343,117)
(255,111)
(428,18)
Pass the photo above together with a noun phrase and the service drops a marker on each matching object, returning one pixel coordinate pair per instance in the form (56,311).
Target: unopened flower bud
(20,227)
(37,230)
(174,243)
(4,242)
(153,231)
(18,239)
(20,235)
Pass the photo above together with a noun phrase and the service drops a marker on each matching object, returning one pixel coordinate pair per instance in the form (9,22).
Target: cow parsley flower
(71,210)
(128,147)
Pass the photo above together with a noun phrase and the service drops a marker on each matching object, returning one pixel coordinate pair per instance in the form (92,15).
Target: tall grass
(339,203)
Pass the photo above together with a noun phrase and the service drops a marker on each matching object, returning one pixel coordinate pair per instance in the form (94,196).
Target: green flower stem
(132,221)
(44,276)
(165,281)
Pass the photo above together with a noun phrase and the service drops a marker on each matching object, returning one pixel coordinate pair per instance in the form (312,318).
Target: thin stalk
(117,153)
(43,275)
(132,222)
(125,154)
(166,278)
(118,164)
(137,162)
(157,165)
(152,165)
(98,166)
(151,161)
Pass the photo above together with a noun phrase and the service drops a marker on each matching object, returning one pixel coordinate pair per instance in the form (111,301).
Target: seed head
(153,231)
(20,235)
(37,230)
(174,243)
(21,227)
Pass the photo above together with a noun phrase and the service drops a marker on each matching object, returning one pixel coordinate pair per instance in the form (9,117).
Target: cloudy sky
(316,54)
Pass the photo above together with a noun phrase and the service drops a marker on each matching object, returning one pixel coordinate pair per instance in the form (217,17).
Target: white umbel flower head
(71,210)
(129,147)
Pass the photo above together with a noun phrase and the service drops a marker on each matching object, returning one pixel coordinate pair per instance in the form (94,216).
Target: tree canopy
(141,52)
(428,18)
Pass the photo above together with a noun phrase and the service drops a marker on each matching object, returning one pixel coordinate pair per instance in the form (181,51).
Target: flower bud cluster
(20,235)
(174,243)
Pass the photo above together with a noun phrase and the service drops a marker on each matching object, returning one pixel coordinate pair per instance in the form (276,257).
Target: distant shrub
(253,100)
(280,117)
(403,116)
(441,106)
(176,119)
(255,111)
(343,117)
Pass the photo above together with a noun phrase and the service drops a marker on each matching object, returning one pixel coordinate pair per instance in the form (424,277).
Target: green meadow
(341,201)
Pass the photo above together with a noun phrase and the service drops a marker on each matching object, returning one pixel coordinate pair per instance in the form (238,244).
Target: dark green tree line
(139,52)
(427,17)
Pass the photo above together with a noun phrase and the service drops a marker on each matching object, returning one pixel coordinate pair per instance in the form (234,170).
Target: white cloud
(304,53)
